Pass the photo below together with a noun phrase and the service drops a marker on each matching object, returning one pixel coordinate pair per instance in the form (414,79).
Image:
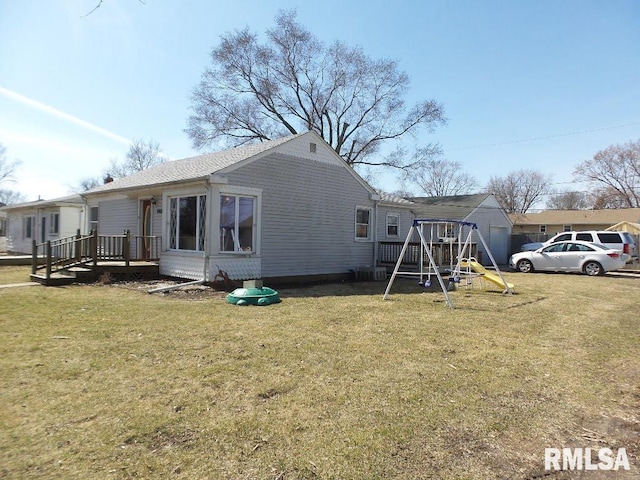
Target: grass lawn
(109,382)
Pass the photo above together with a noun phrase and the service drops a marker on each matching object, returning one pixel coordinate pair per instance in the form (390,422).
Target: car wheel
(525,266)
(592,269)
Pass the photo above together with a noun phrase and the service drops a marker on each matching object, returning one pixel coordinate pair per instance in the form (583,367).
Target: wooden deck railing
(55,255)
(388,253)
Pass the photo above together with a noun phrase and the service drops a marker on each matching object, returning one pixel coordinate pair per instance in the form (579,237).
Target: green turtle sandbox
(253,296)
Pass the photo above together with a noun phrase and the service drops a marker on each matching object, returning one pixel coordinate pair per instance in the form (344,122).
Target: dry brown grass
(334,382)
(14,274)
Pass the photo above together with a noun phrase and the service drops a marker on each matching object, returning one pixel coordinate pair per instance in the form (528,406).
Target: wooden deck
(84,259)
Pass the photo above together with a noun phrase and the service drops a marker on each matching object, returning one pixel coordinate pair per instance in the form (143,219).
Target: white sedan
(575,256)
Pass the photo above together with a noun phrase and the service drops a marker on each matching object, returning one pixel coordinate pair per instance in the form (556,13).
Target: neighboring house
(282,209)
(482,209)
(42,220)
(550,222)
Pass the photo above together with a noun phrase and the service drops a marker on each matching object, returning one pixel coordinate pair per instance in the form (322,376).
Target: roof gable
(202,166)
(189,169)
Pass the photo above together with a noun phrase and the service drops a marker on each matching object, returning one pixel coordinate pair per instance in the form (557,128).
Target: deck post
(94,247)
(78,246)
(34,257)
(48,258)
(126,248)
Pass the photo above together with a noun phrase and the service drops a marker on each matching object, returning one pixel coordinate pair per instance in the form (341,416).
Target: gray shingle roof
(192,168)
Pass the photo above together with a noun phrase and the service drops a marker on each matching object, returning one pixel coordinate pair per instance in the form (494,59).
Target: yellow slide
(492,277)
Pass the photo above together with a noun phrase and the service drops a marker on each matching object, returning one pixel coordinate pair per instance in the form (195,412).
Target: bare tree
(141,155)
(519,191)
(10,197)
(615,174)
(441,177)
(293,83)
(85,184)
(7,167)
(7,171)
(607,198)
(568,201)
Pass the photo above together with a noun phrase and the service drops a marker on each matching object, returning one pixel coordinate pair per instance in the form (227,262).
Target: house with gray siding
(42,220)
(278,210)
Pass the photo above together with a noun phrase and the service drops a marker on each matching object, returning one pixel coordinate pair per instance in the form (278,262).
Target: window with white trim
(237,221)
(566,228)
(363,223)
(543,229)
(393,224)
(54,223)
(187,222)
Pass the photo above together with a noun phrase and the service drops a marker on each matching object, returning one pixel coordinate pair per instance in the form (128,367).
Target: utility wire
(543,138)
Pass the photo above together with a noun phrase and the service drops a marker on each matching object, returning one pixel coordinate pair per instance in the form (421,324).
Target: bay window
(237,219)
(187,222)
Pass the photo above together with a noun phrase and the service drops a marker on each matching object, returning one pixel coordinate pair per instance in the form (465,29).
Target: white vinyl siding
(118,215)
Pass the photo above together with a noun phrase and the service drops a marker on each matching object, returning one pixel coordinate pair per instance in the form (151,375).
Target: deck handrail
(62,253)
(389,251)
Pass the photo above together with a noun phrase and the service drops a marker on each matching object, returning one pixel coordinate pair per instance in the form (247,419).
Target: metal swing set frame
(463,264)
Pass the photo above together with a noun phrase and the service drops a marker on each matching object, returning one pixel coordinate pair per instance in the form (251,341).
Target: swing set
(465,266)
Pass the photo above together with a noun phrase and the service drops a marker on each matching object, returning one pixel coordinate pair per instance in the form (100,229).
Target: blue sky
(525,84)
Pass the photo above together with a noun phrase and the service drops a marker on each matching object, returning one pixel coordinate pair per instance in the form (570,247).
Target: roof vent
(312,147)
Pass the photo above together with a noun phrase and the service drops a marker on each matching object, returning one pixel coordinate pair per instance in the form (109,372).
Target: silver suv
(622,241)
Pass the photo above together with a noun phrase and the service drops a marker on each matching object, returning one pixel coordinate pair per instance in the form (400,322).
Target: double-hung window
(393,221)
(187,222)
(93,218)
(54,223)
(237,221)
(363,223)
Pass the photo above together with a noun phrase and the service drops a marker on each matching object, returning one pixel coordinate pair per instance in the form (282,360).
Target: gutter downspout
(376,203)
(375,233)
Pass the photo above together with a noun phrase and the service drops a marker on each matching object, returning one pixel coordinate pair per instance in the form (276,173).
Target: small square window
(543,229)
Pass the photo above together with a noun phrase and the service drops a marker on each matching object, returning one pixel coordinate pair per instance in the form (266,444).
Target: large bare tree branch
(294,83)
